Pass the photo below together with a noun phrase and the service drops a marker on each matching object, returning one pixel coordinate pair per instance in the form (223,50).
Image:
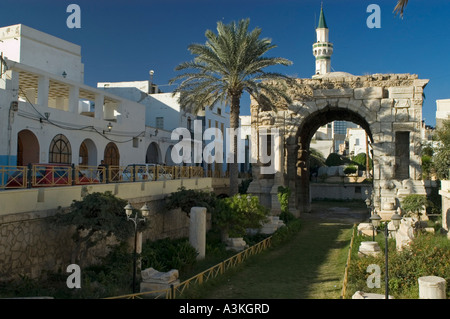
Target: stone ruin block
(368,295)
(369,248)
(272,225)
(365,229)
(237,244)
(153,280)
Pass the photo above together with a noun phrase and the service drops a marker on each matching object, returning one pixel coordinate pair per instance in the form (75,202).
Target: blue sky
(123,40)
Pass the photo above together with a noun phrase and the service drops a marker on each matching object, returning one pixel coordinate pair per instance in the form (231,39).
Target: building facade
(48,115)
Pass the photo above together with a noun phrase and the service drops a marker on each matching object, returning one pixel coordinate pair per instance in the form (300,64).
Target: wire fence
(177,290)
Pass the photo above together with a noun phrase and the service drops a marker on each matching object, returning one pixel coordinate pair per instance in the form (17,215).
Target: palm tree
(230,63)
(400,7)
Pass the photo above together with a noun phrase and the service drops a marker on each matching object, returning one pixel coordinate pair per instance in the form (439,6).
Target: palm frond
(400,7)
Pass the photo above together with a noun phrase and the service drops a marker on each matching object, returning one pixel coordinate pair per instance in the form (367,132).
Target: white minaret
(322,49)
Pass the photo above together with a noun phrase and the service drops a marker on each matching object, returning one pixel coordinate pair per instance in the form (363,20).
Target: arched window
(60,150)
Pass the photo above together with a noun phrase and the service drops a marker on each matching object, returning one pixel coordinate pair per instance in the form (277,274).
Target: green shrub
(188,198)
(166,254)
(427,255)
(335,159)
(233,215)
(360,160)
(350,169)
(286,232)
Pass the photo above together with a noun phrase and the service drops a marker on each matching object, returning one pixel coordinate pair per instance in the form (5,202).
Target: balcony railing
(51,175)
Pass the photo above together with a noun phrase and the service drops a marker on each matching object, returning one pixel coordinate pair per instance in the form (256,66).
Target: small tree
(414,205)
(283,197)
(441,158)
(185,199)
(96,217)
(233,215)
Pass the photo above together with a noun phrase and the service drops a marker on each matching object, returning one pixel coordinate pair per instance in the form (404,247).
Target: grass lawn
(309,266)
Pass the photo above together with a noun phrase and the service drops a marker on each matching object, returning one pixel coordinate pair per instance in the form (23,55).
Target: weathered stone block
(321,103)
(402,103)
(369,93)
(385,115)
(369,248)
(402,115)
(432,287)
(401,92)
(373,105)
(387,103)
(343,103)
(354,105)
(330,93)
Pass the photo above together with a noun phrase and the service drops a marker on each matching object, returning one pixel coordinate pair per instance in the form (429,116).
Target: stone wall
(345,191)
(30,245)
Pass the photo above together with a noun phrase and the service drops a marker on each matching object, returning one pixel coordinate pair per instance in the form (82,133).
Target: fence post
(72,167)
(29,175)
(107,173)
(134,173)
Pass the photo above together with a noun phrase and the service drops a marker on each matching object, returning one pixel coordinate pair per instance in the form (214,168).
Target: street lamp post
(376,220)
(136,220)
(369,204)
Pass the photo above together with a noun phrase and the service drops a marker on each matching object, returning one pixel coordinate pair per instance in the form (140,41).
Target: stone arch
(27,148)
(303,135)
(387,106)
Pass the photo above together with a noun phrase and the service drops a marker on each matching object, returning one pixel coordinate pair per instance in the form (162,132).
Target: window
(160,122)
(357,141)
(219,111)
(60,150)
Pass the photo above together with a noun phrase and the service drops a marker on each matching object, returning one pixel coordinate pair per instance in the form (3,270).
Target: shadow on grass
(309,266)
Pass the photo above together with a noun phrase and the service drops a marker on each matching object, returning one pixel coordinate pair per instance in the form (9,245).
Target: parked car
(145,172)
(44,175)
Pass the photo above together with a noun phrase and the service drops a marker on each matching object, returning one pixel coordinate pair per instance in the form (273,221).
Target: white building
(442,111)
(165,114)
(47,114)
(357,141)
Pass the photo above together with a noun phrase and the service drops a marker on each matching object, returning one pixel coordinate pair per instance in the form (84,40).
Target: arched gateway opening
(387,106)
(304,136)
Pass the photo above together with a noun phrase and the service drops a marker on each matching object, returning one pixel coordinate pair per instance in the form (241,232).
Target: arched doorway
(27,148)
(60,150)
(112,155)
(153,154)
(88,153)
(301,153)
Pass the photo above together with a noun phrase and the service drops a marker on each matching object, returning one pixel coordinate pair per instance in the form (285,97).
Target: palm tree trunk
(234,124)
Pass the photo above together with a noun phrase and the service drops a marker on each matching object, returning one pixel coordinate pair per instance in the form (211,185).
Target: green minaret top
(322,22)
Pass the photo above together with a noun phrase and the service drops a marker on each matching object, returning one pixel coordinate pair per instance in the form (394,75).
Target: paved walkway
(310,266)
